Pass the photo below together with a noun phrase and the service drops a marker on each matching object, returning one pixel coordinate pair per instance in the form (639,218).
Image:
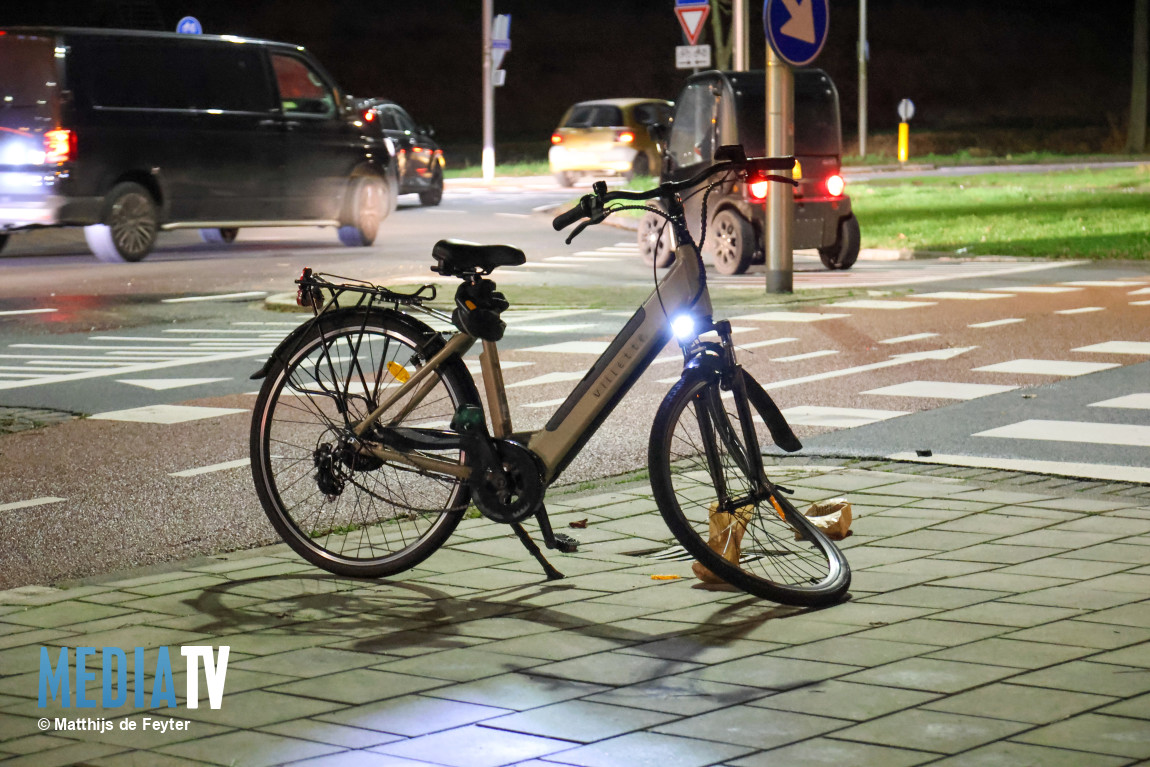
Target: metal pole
(488,98)
(862,78)
(739,26)
(780,198)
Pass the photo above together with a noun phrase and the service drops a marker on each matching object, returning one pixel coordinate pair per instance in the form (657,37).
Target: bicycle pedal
(565,543)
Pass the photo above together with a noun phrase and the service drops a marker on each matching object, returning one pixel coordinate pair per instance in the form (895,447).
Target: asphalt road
(983,360)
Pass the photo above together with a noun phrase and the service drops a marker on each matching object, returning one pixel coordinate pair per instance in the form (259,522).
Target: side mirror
(659,133)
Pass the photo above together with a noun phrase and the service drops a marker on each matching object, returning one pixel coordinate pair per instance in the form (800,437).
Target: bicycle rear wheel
(701,474)
(338,506)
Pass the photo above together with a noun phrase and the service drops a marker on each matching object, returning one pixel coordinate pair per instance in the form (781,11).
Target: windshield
(28,95)
(817,130)
(594,116)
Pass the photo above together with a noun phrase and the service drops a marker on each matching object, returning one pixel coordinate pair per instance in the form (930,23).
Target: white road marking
(940,390)
(1139,292)
(1117,347)
(996,323)
(572,347)
(549,378)
(550,328)
(906,339)
(166,414)
(839,417)
(895,360)
(806,356)
(1081,310)
(790,316)
(474,367)
(214,467)
(538,265)
(1074,431)
(13,312)
(135,365)
(547,403)
(962,295)
(751,345)
(1105,283)
(868,303)
(1060,468)
(30,503)
(1140,401)
(1047,367)
(1036,289)
(514,215)
(1140,303)
(220,297)
(580,259)
(162,384)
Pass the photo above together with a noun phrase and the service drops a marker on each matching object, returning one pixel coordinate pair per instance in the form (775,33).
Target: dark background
(1026,69)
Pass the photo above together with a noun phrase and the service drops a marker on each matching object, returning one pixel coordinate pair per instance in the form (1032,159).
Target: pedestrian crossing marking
(1139,292)
(33,502)
(1036,289)
(1074,431)
(941,390)
(213,468)
(219,297)
(1140,303)
(547,403)
(474,367)
(14,312)
(162,384)
(1059,468)
(572,347)
(166,414)
(867,303)
(1103,283)
(751,345)
(791,316)
(1081,310)
(906,339)
(996,323)
(962,295)
(517,316)
(1140,401)
(841,417)
(1118,347)
(580,259)
(552,328)
(549,378)
(538,265)
(805,356)
(1047,367)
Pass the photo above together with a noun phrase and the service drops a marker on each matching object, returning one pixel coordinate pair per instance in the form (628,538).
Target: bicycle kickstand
(530,545)
(553,540)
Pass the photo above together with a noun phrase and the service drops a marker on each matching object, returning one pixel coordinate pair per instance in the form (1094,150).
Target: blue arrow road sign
(189,25)
(796,29)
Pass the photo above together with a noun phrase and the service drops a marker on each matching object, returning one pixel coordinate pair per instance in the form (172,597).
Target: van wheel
(734,242)
(219,236)
(132,223)
(655,246)
(367,207)
(434,195)
(844,253)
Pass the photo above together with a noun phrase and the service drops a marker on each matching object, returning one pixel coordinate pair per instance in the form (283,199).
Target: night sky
(965,63)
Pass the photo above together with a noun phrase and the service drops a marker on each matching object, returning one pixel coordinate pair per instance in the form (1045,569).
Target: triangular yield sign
(692,18)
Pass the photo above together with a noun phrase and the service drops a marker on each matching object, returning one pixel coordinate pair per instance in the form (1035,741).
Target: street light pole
(739,27)
(780,199)
(488,97)
(862,78)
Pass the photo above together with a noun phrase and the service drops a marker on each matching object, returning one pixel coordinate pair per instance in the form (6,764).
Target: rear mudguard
(709,365)
(287,347)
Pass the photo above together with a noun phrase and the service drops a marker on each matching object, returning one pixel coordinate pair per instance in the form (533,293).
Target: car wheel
(564,179)
(640,167)
(655,241)
(367,207)
(131,225)
(434,195)
(219,236)
(844,253)
(3,241)
(734,242)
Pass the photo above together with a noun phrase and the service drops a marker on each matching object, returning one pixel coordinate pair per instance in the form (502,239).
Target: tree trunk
(1136,134)
(722,33)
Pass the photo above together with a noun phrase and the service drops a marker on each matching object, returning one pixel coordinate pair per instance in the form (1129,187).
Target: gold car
(607,137)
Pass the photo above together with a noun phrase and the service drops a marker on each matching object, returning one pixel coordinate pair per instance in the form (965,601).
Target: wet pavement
(995,618)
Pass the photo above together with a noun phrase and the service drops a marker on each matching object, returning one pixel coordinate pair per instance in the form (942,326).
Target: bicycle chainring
(512,491)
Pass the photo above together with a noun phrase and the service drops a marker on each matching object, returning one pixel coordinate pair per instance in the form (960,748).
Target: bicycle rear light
(758,189)
(835,185)
(683,326)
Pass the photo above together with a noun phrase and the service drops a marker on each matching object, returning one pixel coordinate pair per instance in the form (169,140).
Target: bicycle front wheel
(702,478)
(337,505)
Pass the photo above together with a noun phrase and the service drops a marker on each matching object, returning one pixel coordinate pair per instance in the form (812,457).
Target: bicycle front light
(683,326)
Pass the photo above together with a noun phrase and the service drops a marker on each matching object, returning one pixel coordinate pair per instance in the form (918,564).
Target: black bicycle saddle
(456,258)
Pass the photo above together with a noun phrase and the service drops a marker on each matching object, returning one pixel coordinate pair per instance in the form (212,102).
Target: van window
(817,130)
(595,116)
(302,90)
(693,131)
(150,74)
(28,89)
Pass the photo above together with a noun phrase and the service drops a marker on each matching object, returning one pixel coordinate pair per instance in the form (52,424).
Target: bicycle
(369,439)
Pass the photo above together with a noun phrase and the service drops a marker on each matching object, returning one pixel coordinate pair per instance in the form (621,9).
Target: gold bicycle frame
(683,287)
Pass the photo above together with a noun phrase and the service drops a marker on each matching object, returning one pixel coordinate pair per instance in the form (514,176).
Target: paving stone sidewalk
(995,619)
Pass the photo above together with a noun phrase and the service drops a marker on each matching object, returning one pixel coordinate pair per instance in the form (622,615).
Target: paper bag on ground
(833,517)
(725,536)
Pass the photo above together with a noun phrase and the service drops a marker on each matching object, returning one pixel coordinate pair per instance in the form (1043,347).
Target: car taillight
(59,146)
(758,190)
(624,137)
(368,116)
(835,185)
(556,138)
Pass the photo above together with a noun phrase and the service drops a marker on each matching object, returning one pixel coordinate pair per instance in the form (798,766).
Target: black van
(127,133)
(718,108)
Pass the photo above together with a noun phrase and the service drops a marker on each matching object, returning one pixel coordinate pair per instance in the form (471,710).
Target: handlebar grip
(566,219)
(763,164)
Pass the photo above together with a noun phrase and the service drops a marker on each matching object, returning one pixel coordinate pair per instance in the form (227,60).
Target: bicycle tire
(693,421)
(344,512)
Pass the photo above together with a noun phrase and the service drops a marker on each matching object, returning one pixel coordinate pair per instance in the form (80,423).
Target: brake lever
(584,224)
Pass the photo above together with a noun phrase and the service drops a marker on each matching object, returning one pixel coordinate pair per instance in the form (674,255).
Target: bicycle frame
(628,356)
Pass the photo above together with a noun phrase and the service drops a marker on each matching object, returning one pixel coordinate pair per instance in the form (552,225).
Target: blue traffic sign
(692,2)
(796,29)
(189,25)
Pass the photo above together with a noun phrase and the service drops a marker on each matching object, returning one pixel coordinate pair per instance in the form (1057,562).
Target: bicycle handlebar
(732,158)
